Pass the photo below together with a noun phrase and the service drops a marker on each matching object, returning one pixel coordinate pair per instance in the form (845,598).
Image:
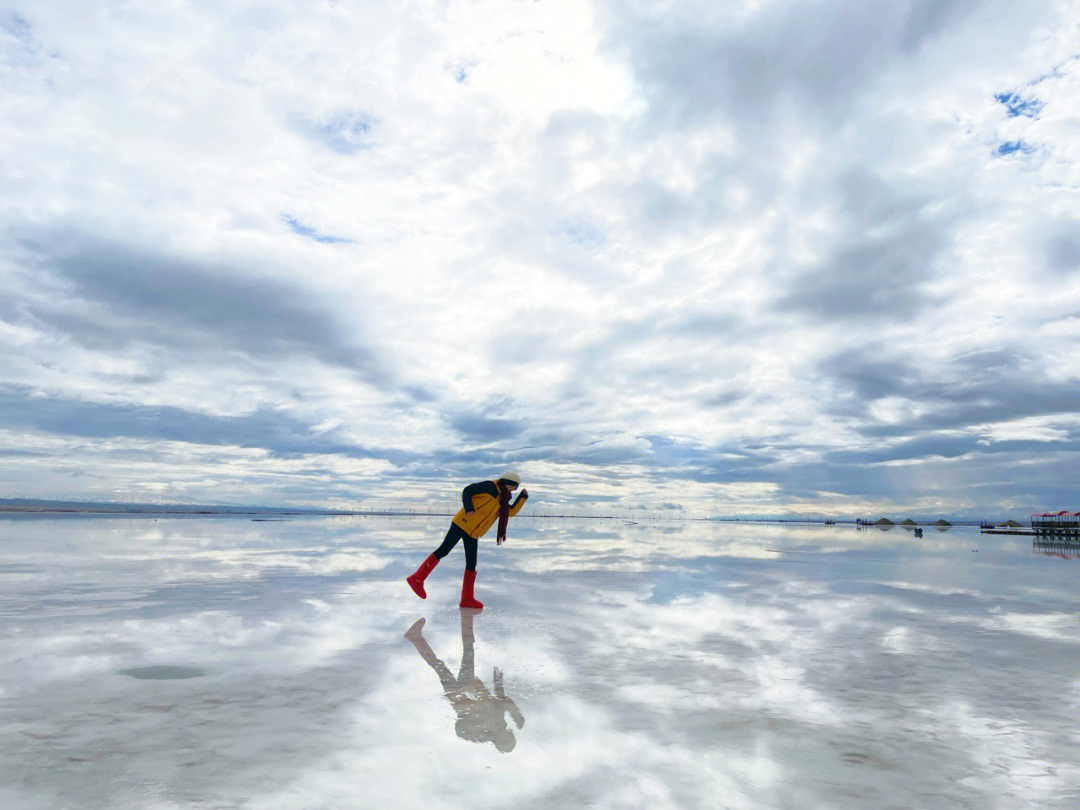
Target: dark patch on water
(163,672)
(860,758)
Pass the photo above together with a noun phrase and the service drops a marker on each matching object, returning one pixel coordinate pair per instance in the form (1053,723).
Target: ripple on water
(163,672)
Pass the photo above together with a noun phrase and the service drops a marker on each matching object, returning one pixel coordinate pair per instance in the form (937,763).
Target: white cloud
(640,234)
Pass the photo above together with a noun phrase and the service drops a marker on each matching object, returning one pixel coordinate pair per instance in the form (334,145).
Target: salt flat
(231,663)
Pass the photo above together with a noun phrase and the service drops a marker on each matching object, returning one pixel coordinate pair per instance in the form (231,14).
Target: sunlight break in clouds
(747,257)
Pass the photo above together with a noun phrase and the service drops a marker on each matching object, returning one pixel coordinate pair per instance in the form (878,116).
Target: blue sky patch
(344,132)
(17,27)
(1016,105)
(300,228)
(460,69)
(584,234)
(18,47)
(1011,147)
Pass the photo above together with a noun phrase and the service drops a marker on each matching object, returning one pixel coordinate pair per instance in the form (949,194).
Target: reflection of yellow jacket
(485,512)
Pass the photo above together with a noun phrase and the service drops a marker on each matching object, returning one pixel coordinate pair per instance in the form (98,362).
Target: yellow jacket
(485,511)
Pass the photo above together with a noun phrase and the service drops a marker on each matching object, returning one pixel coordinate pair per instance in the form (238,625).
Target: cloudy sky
(697,256)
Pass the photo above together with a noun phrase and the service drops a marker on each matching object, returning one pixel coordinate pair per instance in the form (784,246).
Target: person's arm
(479,488)
(515,507)
(508,703)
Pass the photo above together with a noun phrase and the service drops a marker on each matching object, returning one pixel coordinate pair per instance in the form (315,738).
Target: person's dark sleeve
(479,488)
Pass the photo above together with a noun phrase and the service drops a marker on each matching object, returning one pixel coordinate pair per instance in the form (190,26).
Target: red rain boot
(467,599)
(416,579)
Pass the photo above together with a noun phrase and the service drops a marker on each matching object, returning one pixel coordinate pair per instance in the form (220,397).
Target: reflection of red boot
(416,632)
(467,599)
(416,579)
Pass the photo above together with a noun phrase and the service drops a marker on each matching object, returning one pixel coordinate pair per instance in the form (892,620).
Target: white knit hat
(511,476)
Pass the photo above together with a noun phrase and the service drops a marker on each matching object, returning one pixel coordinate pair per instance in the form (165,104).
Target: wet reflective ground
(229,663)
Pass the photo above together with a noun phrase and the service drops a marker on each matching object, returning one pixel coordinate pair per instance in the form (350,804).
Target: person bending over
(482,503)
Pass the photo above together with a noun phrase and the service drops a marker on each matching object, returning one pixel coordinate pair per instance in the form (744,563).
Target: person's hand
(524,495)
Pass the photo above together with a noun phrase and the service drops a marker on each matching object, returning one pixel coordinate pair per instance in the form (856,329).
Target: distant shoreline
(28,507)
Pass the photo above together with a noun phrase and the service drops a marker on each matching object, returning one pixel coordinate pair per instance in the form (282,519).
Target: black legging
(454,534)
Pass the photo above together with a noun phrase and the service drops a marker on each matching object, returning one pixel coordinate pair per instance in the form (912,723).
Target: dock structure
(1057,525)
(1009,527)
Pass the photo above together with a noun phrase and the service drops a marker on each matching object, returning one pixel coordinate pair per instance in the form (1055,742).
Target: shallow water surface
(231,663)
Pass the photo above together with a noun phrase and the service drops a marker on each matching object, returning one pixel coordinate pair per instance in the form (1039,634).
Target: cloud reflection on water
(670,666)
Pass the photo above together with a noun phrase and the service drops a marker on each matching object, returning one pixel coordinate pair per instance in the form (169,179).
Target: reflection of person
(481,716)
(482,503)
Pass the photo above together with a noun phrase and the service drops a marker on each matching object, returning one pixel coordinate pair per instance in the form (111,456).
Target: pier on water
(1063,525)
(1054,533)
(1057,534)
